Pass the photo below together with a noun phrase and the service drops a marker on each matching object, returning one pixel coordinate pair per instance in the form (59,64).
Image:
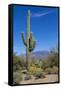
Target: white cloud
(40,14)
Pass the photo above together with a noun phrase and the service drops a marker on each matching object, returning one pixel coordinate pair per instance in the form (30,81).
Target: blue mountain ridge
(37,55)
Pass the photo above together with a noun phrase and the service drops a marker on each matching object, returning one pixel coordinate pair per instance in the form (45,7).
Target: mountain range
(37,55)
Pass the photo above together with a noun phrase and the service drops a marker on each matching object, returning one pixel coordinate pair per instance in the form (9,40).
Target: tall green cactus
(29,42)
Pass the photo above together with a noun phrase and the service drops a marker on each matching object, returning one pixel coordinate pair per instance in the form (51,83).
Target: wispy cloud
(40,14)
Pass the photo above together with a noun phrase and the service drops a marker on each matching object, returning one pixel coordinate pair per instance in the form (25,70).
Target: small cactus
(29,42)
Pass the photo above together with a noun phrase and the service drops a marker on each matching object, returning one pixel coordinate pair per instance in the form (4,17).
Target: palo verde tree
(29,42)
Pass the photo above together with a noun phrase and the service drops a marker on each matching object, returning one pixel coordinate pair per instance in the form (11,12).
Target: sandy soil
(48,78)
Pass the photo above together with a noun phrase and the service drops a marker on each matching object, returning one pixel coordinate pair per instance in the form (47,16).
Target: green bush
(44,64)
(48,70)
(18,62)
(53,70)
(33,69)
(39,75)
(17,77)
(16,67)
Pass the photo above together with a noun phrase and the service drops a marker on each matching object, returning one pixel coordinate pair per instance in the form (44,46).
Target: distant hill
(37,55)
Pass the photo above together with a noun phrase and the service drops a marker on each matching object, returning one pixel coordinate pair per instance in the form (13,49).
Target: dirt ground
(47,79)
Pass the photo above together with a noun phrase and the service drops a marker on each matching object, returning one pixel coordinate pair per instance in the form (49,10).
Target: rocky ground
(47,79)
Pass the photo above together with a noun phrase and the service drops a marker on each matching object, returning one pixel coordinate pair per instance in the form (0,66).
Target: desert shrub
(40,63)
(33,69)
(53,58)
(53,70)
(18,62)
(37,72)
(16,67)
(51,61)
(17,77)
(27,77)
(44,64)
(39,75)
(48,70)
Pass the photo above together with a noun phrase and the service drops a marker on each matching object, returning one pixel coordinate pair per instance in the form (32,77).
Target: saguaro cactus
(29,42)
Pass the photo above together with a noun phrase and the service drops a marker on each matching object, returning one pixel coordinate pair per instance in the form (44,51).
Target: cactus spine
(29,42)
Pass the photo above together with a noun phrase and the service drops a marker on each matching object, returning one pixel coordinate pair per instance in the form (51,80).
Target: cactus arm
(23,39)
(33,46)
(32,43)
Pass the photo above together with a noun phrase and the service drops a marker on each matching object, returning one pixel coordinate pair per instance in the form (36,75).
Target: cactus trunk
(29,42)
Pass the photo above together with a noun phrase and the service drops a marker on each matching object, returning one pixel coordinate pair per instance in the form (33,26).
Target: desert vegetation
(38,68)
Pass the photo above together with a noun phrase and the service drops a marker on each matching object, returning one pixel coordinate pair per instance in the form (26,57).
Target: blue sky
(43,24)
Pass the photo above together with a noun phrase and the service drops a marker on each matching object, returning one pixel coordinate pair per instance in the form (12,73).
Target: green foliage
(51,61)
(17,77)
(53,70)
(44,64)
(18,62)
(39,75)
(33,69)
(40,63)
(48,70)
(53,58)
